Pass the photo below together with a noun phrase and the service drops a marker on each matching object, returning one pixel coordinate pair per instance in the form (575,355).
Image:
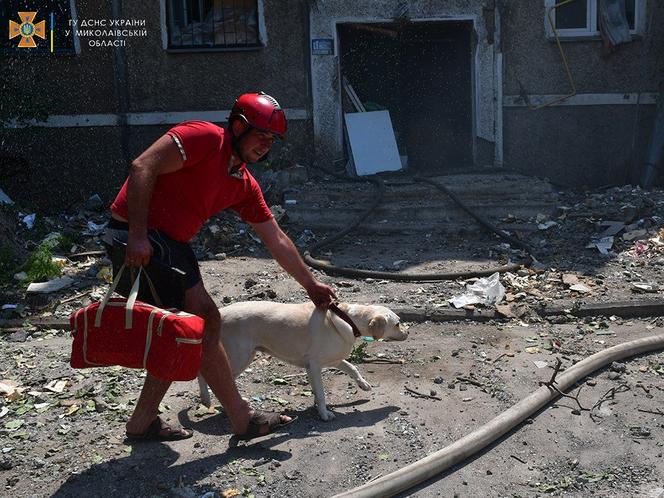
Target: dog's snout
(400,333)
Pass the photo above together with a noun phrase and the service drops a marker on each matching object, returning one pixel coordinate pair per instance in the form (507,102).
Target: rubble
(61,425)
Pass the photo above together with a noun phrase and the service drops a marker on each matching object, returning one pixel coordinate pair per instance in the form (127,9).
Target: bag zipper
(188,341)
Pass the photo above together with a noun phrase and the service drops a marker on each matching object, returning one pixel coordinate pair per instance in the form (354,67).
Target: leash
(342,314)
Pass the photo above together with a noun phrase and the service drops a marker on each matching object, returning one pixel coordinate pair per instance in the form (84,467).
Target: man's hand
(320,294)
(138,252)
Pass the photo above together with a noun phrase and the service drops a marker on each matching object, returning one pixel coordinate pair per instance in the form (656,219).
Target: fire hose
(405,276)
(459,451)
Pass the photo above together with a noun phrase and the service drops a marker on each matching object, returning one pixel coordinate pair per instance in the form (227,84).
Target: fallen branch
(421,395)
(517,459)
(551,385)
(49,322)
(469,381)
(74,298)
(496,359)
(658,412)
(383,360)
(290,376)
(86,253)
(610,394)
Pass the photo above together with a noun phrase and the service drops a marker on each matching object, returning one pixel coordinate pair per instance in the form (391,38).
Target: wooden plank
(355,100)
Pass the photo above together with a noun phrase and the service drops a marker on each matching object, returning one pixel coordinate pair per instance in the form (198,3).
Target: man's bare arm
(161,157)
(287,255)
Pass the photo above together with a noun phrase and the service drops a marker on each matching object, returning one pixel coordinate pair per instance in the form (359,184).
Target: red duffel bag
(130,333)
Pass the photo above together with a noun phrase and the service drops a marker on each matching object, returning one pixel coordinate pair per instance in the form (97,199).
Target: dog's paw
(364,385)
(326,415)
(206,400)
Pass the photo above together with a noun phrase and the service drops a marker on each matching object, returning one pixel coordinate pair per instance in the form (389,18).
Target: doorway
(420,72)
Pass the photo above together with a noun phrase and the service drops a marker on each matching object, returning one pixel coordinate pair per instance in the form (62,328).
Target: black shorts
(173,267)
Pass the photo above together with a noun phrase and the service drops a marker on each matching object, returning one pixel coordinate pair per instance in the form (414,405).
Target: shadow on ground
(152,467)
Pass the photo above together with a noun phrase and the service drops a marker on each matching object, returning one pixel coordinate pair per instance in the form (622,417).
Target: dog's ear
(377,326)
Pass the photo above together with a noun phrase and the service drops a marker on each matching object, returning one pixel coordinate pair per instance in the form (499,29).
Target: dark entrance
(420,72)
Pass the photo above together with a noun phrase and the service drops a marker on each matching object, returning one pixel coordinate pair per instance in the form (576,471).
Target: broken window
(43,29)
(580,18)
(574,15)
(204,24)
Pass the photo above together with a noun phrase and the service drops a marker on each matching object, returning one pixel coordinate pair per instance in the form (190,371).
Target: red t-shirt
(184,199)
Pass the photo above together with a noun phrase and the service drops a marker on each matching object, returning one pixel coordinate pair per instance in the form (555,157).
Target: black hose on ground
(331,269)
(482,221)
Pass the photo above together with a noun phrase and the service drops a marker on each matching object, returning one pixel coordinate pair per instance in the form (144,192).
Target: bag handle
(153,289)
(107,296)
(131,300)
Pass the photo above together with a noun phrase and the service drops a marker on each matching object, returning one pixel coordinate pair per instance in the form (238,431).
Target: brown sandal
(257,422)
(158,431)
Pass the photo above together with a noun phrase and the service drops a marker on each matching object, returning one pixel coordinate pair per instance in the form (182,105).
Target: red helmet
(260,111)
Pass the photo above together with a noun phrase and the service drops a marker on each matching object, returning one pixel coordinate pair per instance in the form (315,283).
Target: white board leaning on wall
(373,147)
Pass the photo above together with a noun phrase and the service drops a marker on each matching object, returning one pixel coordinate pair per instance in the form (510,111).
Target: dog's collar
(342,314)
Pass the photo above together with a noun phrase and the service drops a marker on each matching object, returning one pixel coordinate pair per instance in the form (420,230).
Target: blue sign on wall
(322,46)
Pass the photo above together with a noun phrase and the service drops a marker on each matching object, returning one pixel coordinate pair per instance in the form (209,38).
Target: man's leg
(147,407)
(215,366)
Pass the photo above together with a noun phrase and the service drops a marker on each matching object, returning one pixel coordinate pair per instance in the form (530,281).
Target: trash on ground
(4,198)
(635,234)
(645,287)
(613,228)
(56,386)
(546,225)
(51,286)
(29,220)
(582,288)
(486,291)
(94,228)
(603,245)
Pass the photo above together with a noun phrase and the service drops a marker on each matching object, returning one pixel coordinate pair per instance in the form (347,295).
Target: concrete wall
(65,164)
(67,84)
(167,81)
(578,144)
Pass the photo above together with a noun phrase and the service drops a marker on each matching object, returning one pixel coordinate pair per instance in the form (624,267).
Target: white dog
(301,335)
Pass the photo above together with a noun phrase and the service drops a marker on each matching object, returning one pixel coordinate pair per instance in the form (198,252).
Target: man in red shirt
(192,172)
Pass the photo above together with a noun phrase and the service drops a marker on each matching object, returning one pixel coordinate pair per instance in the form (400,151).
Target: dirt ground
(62,430)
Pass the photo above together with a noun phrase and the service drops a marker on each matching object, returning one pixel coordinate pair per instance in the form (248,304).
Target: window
(213,24)
(580,18)
(50,16)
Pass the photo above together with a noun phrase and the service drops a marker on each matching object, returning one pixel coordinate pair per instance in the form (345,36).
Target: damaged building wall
(597,137)
(94,156)
(326,86)
(585,144)
(35,159)
(163,80)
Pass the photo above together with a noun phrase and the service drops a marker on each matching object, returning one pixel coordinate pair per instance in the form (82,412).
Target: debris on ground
(62,429)
(484,291)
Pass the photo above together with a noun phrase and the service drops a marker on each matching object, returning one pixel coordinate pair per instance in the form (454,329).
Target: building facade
(468,83)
